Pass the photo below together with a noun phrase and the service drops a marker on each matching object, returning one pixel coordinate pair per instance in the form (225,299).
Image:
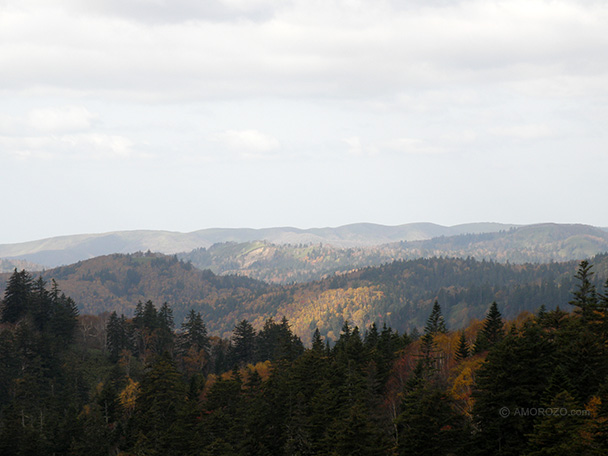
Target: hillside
(287,263)
(533,243)
(117,282)
(290,263)
(400,293)
(70,249)
(10,265)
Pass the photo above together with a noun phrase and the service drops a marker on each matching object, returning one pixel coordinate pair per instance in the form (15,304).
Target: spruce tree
(243,343)
(492,331)
(584,298)
(462,351)
(317,343)
(17,297)
(435,323)
(195,332)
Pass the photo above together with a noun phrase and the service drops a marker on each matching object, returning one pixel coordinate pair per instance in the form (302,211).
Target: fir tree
(17,296)
(243,343)
(462,351)
(584,298)
(435,323)
(195,332)
(492,331)
(317,343)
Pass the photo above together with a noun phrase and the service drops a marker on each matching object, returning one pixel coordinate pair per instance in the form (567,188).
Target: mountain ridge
(57,251)
(400,293)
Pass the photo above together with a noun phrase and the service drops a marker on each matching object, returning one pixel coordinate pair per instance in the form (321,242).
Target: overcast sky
(189,114)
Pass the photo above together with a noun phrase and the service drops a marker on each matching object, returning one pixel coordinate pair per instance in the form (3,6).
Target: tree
(514,376)
(117,336)
(243,343)
(195,332)
(16,296)
(435,323)
(492,331)
(584,298)
(462,351)
(158,407)
(428,425)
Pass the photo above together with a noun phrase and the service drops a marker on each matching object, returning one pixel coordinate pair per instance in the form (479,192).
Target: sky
(182,115)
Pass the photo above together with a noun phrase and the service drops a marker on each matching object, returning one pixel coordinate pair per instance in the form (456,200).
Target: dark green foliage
(195,333)
(492,331)
(243,343)
(17,297)
(435,323)
(462,351)
(558,433)
(276,341)
(118,336)
(585,296)
(159,408)
(371,394)
(428,425)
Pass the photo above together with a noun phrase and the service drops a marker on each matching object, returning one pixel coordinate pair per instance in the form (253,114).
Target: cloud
(357,148)
(523,132)
(301,49)
(64,119)
(411,146)
(247,141)
(80,146)
(402,146)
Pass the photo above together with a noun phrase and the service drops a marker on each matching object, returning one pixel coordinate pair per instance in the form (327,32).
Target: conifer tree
(17,296)
(462,351)
(195,332)
(492,331)
(584,298)
(117,336)
(317,343)
(159,404)
(435,323)
(243,343)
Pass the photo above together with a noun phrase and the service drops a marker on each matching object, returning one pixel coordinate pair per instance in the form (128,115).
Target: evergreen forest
(81,384)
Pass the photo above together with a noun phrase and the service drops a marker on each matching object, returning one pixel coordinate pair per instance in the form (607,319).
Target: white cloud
(248,141)
(357,148)
(403,85)
(301,48)
(411,146)
(59,120)
(79,146)
(523,132)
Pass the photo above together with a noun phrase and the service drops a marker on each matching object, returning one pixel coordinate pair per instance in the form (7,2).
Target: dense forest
(289,263)
(98,385)
(399,294)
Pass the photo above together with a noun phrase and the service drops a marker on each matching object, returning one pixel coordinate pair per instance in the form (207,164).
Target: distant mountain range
(285,255)
(288,263)
(70,249)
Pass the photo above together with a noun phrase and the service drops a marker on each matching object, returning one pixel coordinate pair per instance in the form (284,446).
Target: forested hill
(117,282)
(63,250)
(400,294)
(10,265)
(288,263)
(540,243)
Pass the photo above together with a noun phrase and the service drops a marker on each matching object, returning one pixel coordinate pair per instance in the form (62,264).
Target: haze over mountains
(348,246)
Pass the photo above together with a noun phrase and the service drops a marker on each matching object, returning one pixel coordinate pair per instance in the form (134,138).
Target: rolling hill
(289,263)
(70,249)
(400,293)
